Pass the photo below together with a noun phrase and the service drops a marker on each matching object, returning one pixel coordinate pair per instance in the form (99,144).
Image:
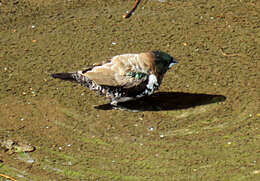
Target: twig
(227,55)
(132,10)
(8,177)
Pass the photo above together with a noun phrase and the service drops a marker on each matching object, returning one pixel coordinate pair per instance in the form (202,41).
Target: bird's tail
(64,76)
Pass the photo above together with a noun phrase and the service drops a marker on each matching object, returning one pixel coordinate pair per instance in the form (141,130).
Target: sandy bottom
(203,123)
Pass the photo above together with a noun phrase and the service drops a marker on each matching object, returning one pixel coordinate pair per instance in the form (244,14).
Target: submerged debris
(7,177)
(129,14)
(15,147)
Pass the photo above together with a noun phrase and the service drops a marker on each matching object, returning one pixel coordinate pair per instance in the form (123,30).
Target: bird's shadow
(163,101)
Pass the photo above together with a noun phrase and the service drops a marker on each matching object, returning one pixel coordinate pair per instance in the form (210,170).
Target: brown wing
(115,72)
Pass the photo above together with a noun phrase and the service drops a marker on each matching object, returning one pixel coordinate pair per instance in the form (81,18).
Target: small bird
(125,77)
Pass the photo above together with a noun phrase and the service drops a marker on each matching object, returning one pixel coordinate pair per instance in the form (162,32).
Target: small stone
(151,129)
(256,172)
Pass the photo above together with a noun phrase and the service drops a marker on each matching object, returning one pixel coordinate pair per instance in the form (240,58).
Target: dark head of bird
(163,61)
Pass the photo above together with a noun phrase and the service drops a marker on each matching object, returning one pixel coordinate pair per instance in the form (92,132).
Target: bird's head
(163,61)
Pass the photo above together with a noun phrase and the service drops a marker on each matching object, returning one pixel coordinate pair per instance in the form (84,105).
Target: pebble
(256,172)
(161,135)
(151,129)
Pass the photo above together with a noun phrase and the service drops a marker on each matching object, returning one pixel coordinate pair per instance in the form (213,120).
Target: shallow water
(203,123)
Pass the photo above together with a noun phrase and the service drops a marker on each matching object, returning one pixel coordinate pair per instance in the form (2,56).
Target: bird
(124,77)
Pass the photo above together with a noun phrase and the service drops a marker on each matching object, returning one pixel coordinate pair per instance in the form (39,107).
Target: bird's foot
(123,108)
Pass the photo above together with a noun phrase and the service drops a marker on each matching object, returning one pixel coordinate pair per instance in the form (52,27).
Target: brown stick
(132,10)
(8,177)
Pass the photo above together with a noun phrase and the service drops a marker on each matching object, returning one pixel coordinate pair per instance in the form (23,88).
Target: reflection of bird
(125,77)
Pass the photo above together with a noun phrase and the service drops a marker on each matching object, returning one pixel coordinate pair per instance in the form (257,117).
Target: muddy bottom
(202,124)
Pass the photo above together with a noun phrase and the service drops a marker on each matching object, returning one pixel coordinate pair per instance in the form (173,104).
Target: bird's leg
(115,105)
(132,10)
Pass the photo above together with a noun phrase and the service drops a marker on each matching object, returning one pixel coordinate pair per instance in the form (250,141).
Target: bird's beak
(172,62)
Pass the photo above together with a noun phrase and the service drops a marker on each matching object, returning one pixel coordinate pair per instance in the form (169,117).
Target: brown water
(203,123)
